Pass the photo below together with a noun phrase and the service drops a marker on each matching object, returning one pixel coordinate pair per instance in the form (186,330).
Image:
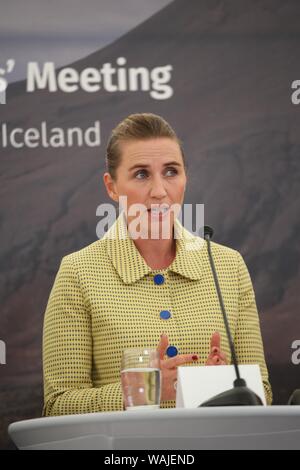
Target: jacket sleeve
(248,339)
(68,353)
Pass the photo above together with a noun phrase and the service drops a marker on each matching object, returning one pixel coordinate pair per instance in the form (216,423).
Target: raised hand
(168,368)
(216,357)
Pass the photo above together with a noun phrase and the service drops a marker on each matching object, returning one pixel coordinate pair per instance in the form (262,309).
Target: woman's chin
(160,228)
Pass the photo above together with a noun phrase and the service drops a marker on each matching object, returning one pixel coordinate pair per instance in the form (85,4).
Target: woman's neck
(158,254)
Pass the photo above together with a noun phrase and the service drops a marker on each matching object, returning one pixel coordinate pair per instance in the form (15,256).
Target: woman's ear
(110,187)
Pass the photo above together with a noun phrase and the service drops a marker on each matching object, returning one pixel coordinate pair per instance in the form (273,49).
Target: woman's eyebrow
(144,165)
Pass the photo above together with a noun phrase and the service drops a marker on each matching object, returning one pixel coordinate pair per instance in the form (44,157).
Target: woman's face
(151,172)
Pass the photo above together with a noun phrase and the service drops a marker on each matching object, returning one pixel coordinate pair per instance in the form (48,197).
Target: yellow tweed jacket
(104,299)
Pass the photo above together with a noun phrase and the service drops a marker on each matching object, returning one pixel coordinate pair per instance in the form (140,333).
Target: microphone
(240,394)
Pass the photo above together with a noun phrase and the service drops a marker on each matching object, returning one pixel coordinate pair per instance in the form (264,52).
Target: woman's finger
(216,360)
(163,345)
(215,341)
(179,360)
(223,358)
(211,361)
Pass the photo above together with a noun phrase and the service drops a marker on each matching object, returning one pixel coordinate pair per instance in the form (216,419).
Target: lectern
(276,427)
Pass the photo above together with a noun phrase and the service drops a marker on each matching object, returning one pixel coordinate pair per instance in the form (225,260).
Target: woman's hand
(216,357)
(168,368)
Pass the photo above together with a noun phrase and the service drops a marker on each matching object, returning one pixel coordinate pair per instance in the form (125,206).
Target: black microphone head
(208,231)
(238,396)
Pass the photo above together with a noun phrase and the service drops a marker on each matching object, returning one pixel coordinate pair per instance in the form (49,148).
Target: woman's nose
(158,190)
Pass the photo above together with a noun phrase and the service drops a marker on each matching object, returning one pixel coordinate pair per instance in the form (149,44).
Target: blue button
(159,279)
(172,351)
(165,314)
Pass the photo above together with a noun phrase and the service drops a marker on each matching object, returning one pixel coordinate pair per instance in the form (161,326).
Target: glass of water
(140,378)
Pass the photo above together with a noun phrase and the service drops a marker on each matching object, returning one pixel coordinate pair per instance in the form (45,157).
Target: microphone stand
(295,398)
(240,394)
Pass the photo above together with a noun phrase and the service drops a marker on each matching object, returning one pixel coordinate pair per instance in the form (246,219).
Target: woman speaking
(137,288)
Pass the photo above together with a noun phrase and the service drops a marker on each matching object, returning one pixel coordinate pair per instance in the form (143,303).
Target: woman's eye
(140,174)
(171,172)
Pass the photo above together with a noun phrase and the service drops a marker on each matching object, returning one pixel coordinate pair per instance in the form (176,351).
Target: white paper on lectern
(195,385)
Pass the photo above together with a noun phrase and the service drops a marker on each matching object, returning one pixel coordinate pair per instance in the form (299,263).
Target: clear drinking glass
(140,378)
